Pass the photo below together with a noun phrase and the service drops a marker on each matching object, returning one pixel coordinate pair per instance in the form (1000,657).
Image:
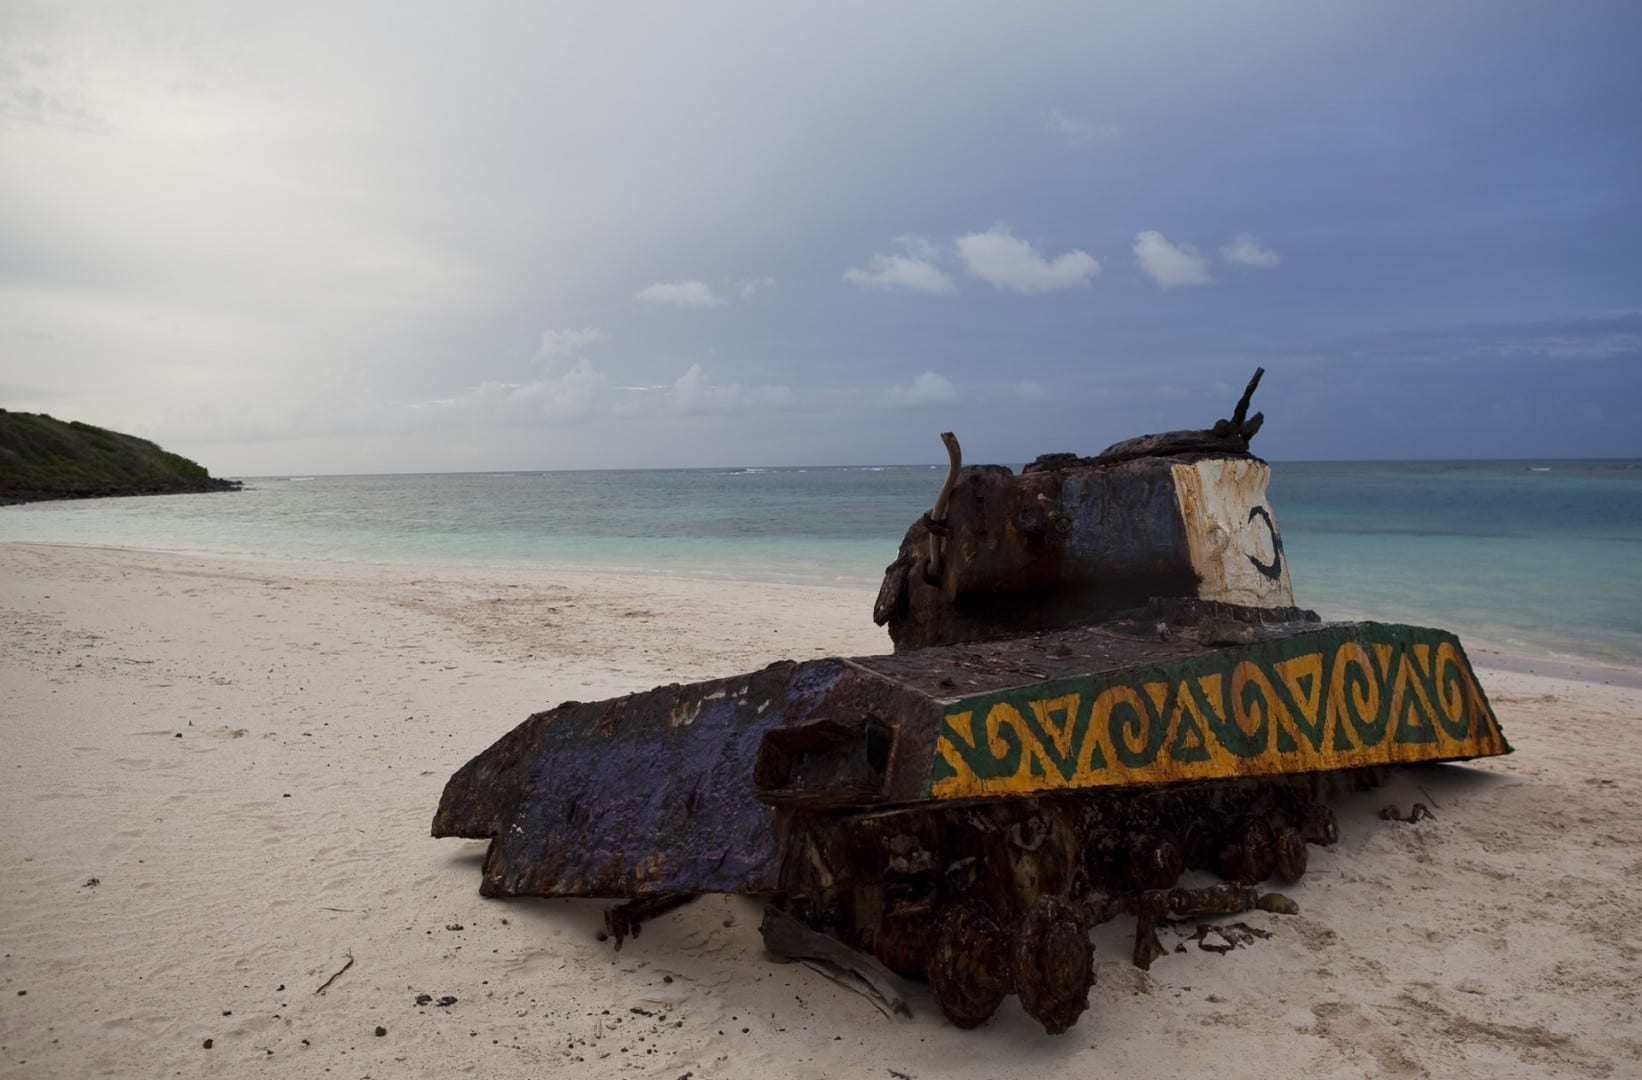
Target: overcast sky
(402,237)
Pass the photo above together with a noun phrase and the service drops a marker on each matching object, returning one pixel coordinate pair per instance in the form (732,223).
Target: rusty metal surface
(692,788)
(643,794)
(970,970)
(676,790)
(1039,550)
(952,672)
(653,792)
(1073,539)
(1056,547)
(1054,963)
(949,891)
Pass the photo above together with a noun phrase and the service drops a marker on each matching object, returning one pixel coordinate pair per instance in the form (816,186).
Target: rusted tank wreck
(1100,682)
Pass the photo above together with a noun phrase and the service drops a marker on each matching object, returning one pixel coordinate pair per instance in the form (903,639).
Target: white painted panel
(1232,532)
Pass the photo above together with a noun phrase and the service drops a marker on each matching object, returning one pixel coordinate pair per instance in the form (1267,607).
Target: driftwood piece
(788,939)
(326,984)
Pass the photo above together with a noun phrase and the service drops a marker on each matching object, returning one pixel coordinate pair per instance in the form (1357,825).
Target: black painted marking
(1273,570)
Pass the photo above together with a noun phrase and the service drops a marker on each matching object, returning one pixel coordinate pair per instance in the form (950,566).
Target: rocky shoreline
(12,497)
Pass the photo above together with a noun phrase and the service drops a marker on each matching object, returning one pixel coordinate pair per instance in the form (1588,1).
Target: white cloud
(693,393)
(581,392)
(681,294)
(556,343)
(1031,390)
(1246,251)
(752,286)
(919,247)
(915,270)
(1076,131)
(1563,347)
(564,397)
(997,257)
(1170,265)
(927,389)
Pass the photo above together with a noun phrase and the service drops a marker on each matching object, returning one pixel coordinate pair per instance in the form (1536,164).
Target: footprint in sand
(122,841)
(1357,1033)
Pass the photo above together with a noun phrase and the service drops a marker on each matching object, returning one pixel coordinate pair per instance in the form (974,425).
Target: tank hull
(697,788)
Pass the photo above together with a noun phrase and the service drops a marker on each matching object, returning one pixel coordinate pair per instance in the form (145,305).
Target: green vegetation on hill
(45,458)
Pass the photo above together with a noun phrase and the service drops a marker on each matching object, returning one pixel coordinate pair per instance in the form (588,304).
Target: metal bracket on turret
(1228,436)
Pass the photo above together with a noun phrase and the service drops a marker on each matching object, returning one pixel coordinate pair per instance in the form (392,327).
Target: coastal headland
(220,775)
(44,458)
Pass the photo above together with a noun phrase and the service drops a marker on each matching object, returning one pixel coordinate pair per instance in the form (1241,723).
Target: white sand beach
(220,774)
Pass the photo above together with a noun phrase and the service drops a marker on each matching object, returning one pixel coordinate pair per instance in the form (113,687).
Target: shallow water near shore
(1539,557)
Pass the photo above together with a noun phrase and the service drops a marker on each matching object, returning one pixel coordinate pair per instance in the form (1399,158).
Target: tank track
(998,896)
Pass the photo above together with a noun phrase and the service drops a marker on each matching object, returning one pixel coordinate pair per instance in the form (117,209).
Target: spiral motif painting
(1335,698)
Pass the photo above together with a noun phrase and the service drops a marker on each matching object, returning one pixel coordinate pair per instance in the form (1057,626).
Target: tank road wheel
(969,969)
(1290,848)
(904,941)
(1248,857)
(1054,964)
(1155,861)
(1199,844)
(1321,827)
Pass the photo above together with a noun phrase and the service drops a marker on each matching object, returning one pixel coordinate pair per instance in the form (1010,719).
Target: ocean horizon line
(621,469)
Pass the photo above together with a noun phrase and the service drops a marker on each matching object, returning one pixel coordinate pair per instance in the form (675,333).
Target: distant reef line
(43,458)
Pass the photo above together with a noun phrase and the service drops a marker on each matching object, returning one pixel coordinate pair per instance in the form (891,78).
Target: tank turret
(1069,540)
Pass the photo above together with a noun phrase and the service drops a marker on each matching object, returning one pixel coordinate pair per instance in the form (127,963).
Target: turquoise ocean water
(1541,557)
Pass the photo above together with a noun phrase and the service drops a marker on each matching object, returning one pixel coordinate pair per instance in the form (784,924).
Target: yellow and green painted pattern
(1334,698)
